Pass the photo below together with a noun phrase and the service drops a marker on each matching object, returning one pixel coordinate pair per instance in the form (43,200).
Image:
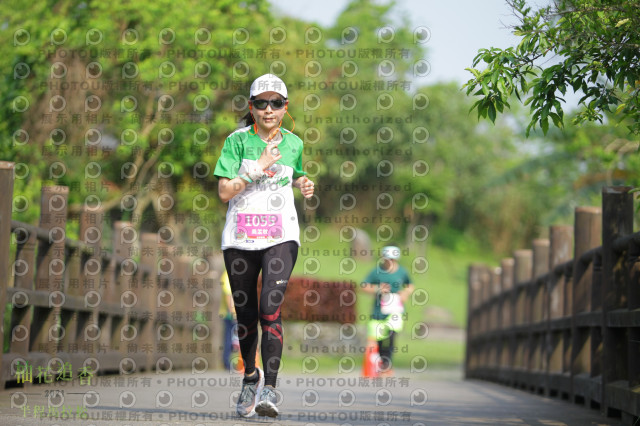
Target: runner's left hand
(306,187)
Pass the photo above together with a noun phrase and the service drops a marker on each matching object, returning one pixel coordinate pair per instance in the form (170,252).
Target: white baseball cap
(391,252)
(268,83)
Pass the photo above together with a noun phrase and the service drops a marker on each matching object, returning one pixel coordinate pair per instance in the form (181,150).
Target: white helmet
(391,252)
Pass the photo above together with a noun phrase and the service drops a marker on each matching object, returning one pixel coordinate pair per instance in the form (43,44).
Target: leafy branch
(593,49)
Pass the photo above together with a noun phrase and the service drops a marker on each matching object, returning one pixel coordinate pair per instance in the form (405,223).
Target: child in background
(391,285)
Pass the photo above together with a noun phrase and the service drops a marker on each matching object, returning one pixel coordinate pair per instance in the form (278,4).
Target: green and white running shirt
(263,214)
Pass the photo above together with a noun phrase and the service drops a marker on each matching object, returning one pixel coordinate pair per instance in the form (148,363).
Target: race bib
(391,303)
(257,226)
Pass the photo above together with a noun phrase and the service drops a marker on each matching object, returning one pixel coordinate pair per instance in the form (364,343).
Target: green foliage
(601,154)
(151,74)
(586,45)
(365,116)
(160,121)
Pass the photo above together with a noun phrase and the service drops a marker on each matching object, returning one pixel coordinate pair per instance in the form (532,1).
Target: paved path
(182,398)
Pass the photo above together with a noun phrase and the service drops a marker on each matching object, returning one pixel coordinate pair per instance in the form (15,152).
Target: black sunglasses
(275,103)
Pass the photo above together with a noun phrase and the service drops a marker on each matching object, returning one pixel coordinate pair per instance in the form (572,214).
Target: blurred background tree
(130,104)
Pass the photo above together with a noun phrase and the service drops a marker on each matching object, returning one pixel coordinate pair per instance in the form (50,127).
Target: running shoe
(267,405)
(249,396)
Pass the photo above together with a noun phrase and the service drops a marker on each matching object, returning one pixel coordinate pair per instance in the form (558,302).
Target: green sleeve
(297,169)
(407,278)
(372,277)
(230,159)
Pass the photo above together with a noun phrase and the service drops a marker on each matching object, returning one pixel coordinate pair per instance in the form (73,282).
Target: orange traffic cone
(370,361)
(240,363)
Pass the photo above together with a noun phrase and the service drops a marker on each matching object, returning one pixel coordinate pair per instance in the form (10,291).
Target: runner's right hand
(270,155)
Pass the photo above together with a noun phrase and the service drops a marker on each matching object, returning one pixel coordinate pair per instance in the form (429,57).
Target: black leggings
(243,268)
(385,349)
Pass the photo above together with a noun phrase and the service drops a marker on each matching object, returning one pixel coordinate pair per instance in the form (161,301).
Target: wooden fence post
(522,269)
(496,289)
(484,313)
(90,233)
(122,243)
(495,321)
(541,250)
(617,213)
(537,313)
(179,314)
(472,303)
(70,317)
(50,270)
(584,333)
(6,203)
(634,304)
(147,296)
(507,315)
(163,296)
(558,339)
(23,280)
(190,327)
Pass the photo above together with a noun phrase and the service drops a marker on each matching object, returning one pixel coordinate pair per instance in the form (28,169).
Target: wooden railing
(562,327)
(143,305)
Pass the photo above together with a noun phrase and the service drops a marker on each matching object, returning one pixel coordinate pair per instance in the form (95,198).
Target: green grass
(439,354)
